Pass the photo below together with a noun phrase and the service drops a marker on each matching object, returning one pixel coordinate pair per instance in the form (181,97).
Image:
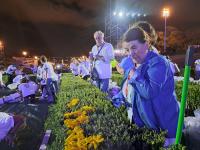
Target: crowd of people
(43,82)
(147,89)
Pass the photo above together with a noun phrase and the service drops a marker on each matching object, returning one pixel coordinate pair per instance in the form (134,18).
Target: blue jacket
(153,99)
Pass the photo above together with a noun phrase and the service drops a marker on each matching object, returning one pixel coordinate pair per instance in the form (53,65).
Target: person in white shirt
(48,75)
(1,77)
(102,53)
(39,74)
(28,89)
(18,79)
(33,68)
(11,73)
(87,63)
(74,66)
(83,70)
(56,82)
(197,69)
(16,82)
(11,69)
(9,124)
(19,71)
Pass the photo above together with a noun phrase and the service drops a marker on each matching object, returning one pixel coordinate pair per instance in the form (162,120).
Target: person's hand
(9,139)
(119,69)
(91,57)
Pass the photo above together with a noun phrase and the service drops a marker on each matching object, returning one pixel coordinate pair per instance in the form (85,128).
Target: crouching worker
(83,70)
(9,125)
(16,82)
(26,92)
(150,87)
(28,89)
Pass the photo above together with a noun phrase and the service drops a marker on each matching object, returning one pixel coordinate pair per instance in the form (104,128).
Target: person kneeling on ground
(9,124)
(83,70)
(28,89)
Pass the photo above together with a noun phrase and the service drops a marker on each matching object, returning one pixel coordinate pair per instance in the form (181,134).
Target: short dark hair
(24,80)
(136,33)
(43,59)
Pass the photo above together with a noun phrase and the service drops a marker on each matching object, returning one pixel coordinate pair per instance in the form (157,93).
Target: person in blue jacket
(150,87)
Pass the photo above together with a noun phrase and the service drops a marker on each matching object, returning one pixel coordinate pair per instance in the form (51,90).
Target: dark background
(65,27)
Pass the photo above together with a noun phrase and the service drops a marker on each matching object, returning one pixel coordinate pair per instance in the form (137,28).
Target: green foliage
(193,98)
(175,147)
(116,77)
(5,78)
(107,120)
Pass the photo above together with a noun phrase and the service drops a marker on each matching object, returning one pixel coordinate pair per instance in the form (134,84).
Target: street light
(36,58)
(121,14)
(165,14)
(24,53)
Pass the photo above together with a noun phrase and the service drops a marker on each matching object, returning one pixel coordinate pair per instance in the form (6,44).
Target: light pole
(165,14)
(1,48)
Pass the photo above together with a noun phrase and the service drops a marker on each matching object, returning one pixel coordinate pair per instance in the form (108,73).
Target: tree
(175,41)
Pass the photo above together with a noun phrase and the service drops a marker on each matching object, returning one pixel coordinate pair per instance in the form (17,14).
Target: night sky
(65,27)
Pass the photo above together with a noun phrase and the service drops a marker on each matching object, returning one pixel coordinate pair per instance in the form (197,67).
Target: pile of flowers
(75,134)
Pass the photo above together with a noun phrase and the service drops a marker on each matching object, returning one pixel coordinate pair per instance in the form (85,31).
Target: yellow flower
(87,108)
(94,141)
(72,114)
(73,102)
(77,141)
(72,123)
